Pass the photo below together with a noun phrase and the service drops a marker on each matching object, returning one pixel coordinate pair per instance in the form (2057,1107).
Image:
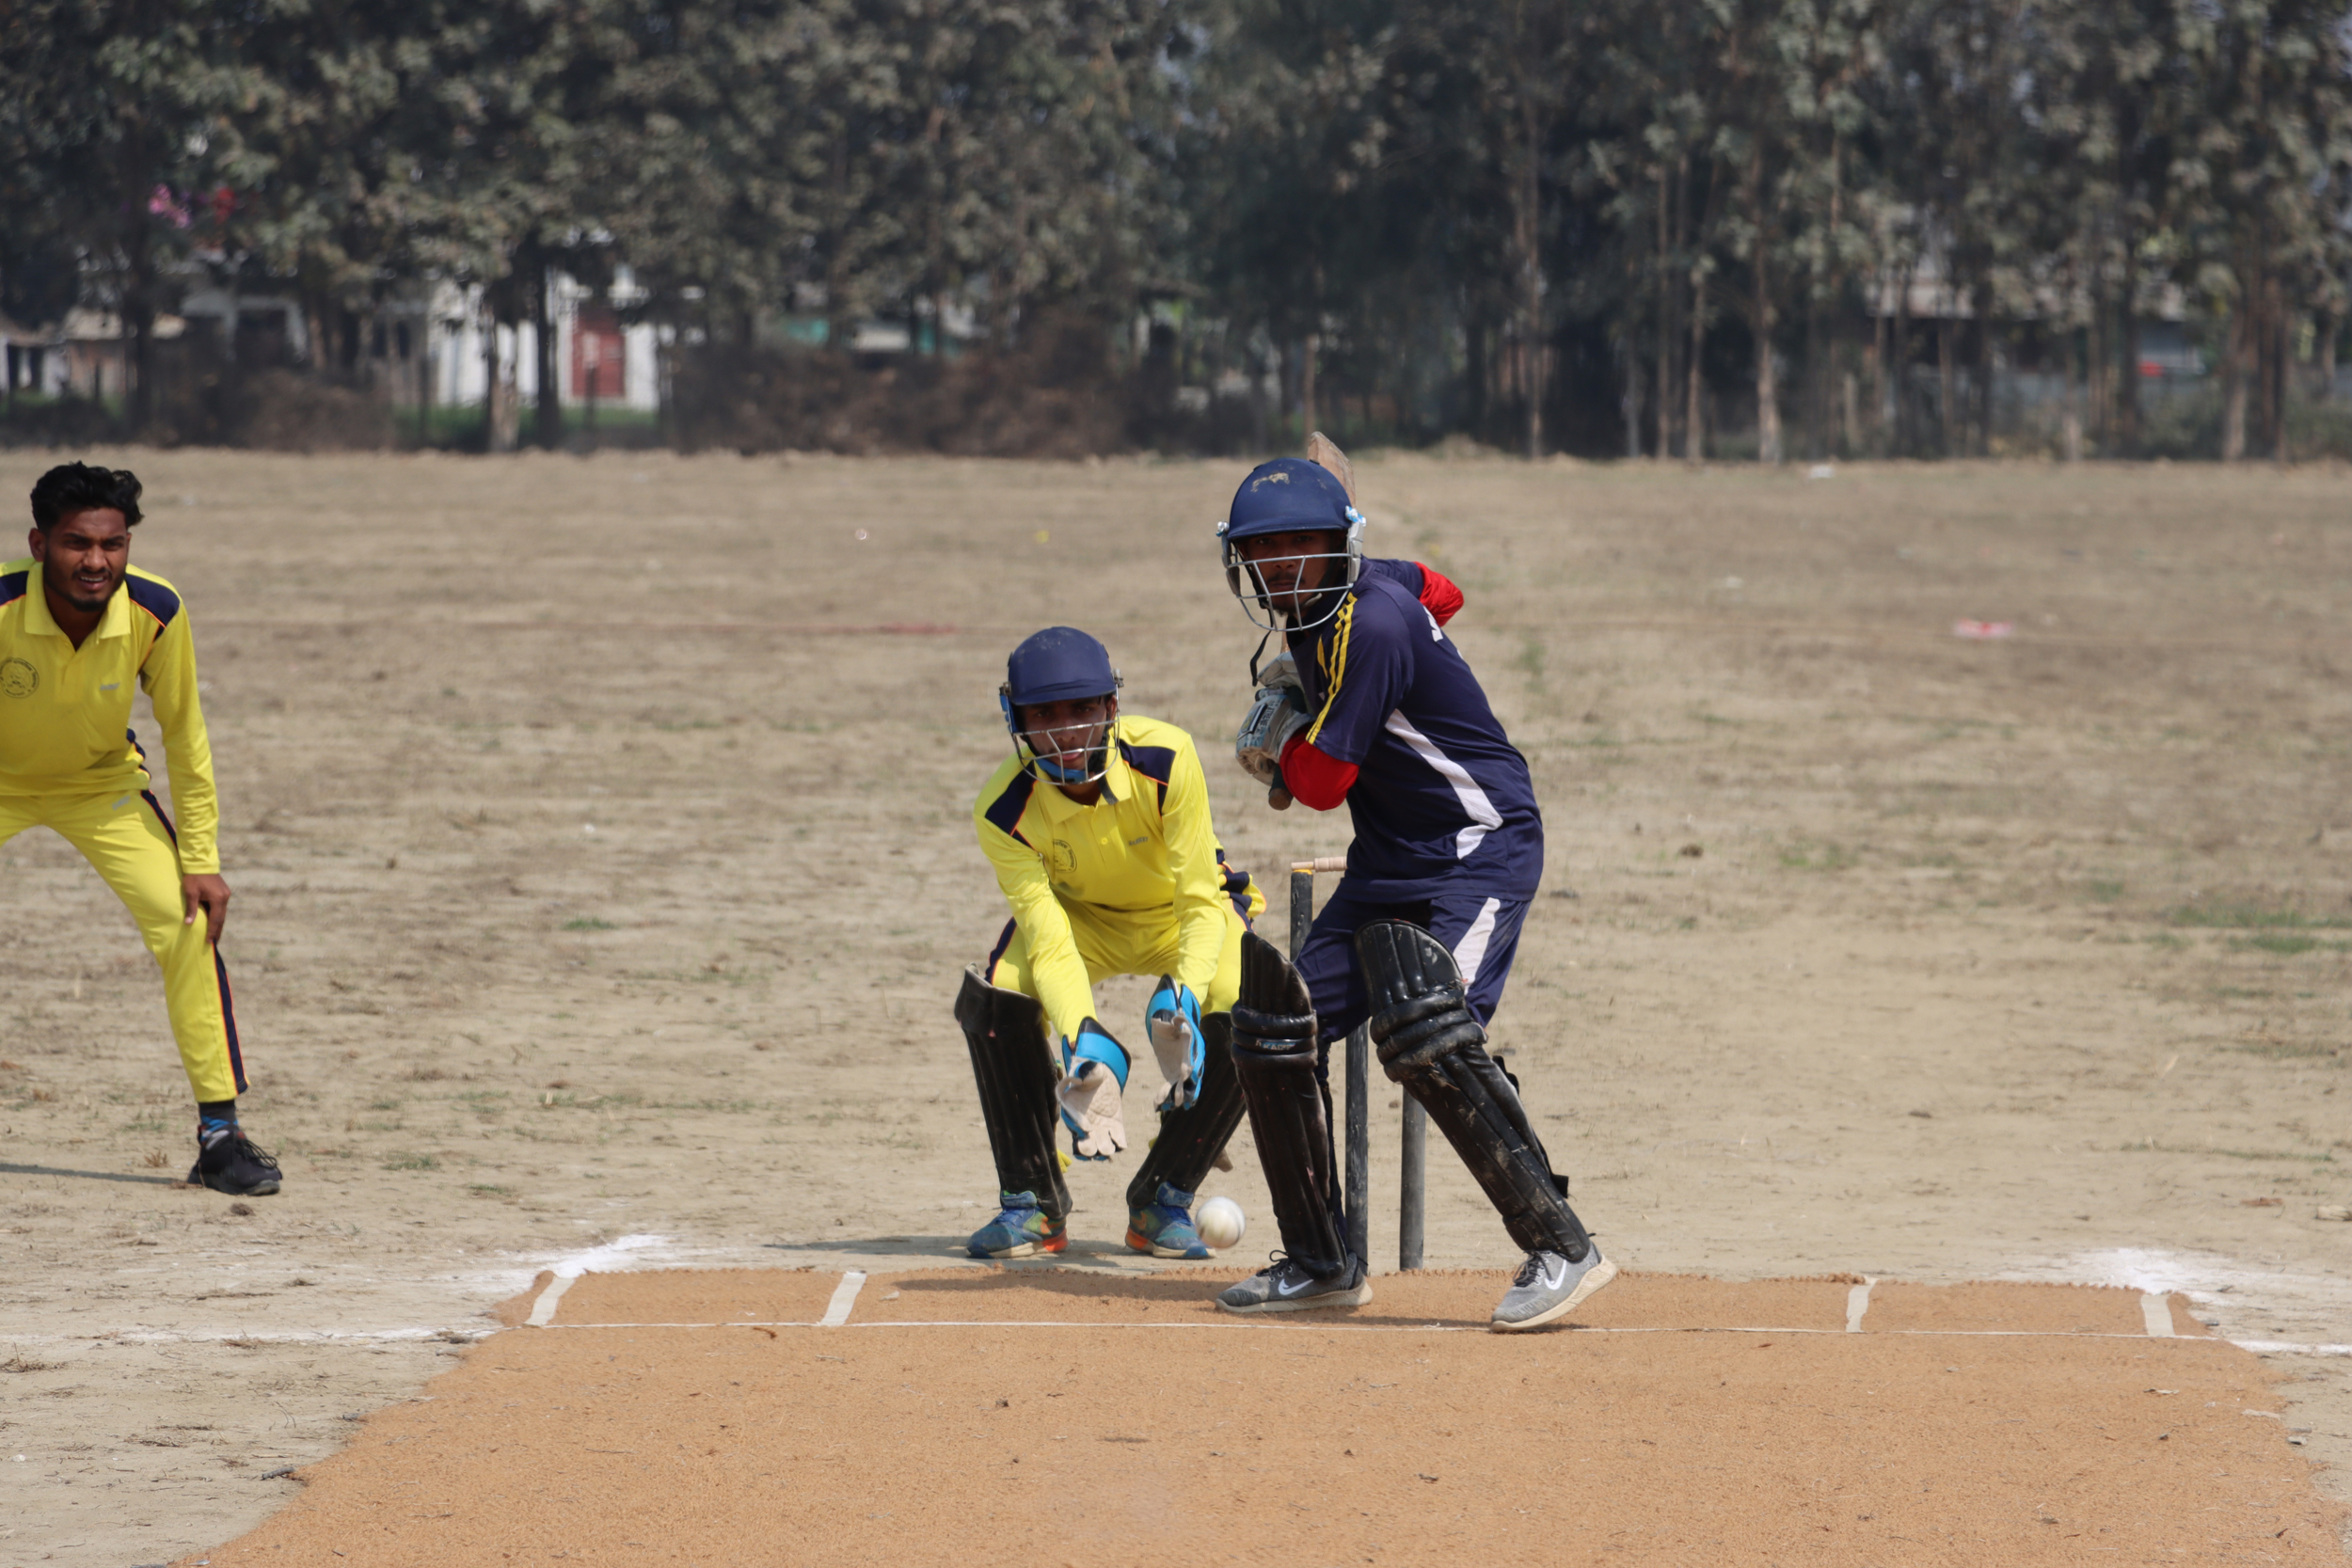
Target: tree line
(1598,224)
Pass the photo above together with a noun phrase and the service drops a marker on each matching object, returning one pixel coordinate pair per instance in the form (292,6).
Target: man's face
(1295,567)
(1066,733)
(83,558)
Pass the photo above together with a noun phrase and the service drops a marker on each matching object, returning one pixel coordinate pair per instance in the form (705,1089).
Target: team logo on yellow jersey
(1065,859)
(19,678)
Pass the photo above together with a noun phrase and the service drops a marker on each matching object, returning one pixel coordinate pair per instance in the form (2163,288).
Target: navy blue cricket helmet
(1056,665)
(1289,495)
(1286,495)
(1059,664)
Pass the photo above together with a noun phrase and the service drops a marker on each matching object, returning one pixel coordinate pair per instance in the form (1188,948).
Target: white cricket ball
(1221,1223)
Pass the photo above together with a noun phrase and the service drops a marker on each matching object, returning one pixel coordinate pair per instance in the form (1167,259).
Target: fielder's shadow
(91,1174)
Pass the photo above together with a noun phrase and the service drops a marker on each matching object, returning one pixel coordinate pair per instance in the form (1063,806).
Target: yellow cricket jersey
(1143,856)
(65,712)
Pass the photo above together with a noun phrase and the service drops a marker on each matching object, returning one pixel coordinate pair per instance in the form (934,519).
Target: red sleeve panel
(1316,777)
(1437,596)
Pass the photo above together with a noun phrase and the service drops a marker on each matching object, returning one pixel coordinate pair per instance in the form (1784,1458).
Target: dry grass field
(599,832)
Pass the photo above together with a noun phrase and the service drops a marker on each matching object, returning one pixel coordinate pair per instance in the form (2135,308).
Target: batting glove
(1094,1075)
(1172,1019)
(1282,670)
(1277,713)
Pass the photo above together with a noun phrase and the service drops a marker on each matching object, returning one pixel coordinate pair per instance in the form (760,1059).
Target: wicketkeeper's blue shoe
(1020,1229)
(1163,1228)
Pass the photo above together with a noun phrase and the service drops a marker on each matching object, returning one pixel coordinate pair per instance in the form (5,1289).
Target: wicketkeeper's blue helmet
(1059,664)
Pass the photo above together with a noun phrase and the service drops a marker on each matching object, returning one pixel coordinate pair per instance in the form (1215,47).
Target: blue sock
(216,1119)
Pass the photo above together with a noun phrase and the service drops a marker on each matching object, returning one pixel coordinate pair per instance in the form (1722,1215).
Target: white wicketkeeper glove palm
(1094,1075)
(1172,1019)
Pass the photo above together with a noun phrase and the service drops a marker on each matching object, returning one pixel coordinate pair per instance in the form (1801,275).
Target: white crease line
(1857,1304)
(2156,1310)
(1044,1322)
(844,1297)
(596,1260)
(2267,1347)
(543,1309)
(476,1332)
(747,1323)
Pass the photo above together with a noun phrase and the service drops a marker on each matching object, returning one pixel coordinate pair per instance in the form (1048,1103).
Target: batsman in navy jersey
(1370,702)
(1447,832)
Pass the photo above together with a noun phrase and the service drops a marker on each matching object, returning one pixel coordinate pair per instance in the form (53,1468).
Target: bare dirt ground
(601,837)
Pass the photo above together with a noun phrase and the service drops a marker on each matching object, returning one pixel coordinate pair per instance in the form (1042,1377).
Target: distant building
(34,357)
(97,359)
(600,359)
(254,330)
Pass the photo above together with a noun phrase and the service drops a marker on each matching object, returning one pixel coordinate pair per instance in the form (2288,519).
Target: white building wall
(458,375)
(643,367)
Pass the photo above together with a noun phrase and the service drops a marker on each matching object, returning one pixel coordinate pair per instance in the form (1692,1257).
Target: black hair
(72,488)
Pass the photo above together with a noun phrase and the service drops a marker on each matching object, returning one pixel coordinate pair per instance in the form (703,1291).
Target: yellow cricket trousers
(129,840)
(1127,947)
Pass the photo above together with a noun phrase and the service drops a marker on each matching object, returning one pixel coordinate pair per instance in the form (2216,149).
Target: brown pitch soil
(1072,1418)
(599,830)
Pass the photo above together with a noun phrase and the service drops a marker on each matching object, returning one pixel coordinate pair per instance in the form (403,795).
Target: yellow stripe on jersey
(1333,657)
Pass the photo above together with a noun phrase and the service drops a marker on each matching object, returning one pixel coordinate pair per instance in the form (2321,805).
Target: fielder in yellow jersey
(1098,830)
(80,628)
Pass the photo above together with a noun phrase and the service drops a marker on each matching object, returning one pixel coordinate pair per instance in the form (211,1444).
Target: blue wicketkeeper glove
(1172,1019)
(1094,1069)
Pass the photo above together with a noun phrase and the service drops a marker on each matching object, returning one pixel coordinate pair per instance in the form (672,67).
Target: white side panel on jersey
(1483,816)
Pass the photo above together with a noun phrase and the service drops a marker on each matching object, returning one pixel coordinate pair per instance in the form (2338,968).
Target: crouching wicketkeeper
(1098,829)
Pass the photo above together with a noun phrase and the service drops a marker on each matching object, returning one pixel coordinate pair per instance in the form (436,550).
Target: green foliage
(1536,221)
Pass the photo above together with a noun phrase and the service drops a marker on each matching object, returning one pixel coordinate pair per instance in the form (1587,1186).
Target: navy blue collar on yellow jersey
(1132,766)
(137,593)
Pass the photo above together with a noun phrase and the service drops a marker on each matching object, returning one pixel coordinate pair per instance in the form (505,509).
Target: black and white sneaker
(1548,1288)
(229,1162)
(1285,1287)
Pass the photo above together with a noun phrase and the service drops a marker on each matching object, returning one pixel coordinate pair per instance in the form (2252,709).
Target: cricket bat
(1323,450)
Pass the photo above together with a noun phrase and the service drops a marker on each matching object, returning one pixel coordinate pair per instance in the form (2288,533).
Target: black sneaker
(1285,1287)
(231,1163)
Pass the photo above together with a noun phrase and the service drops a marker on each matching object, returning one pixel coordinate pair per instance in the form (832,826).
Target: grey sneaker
(1548,1288)
(1284,1287)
